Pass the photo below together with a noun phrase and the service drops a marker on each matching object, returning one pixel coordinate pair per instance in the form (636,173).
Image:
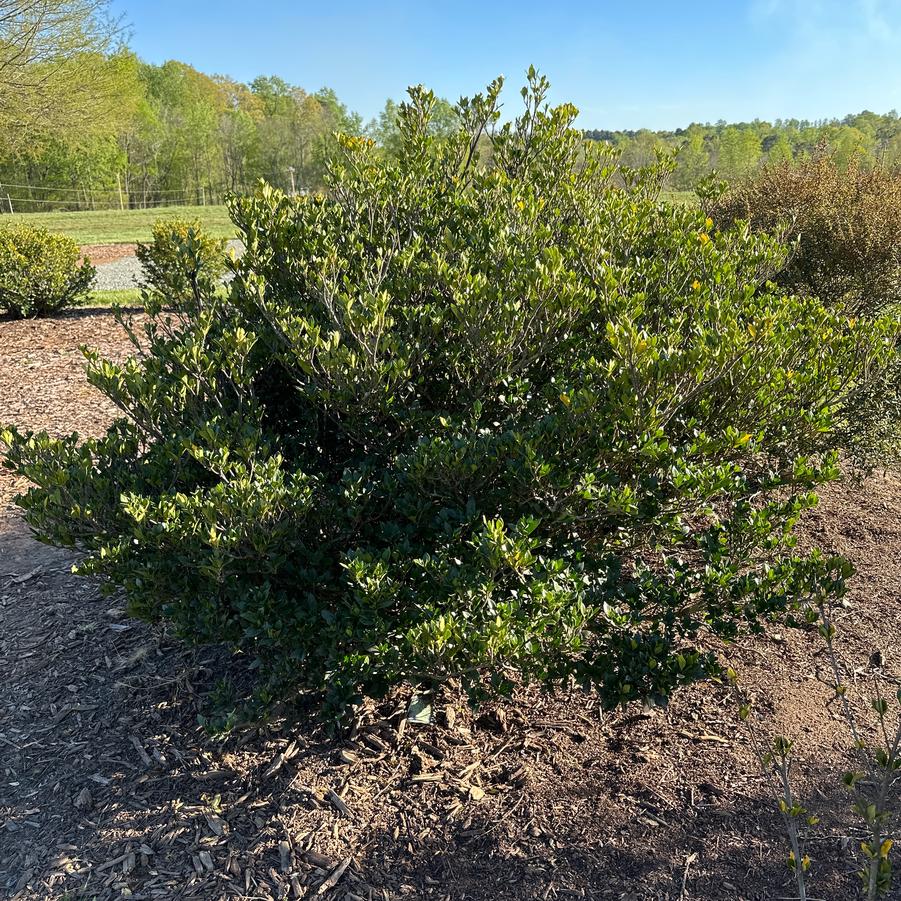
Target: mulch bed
(110,789)
(107,253)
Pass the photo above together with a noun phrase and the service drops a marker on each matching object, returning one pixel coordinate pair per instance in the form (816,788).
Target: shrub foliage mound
(488,411)
(845,223)
(181,264)
(40,272)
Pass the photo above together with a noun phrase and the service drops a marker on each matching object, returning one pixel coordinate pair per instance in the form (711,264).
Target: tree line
(85,123)
(736,150)
(178,136)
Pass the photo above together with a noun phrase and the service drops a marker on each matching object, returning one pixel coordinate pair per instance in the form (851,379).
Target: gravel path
(126,272)
(118,275)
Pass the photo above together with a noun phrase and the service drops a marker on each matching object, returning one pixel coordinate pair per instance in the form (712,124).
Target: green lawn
(125,226)
(683,198)
(126,297)
(128,226)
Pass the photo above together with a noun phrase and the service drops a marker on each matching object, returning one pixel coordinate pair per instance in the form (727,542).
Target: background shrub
(181,263)
(40,272)
(845,222)
(505,420)
(845,226)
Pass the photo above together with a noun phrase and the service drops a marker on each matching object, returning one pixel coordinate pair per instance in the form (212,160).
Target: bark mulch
(110,789)
(107,253)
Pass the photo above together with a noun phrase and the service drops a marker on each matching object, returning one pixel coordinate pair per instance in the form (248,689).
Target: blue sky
(632,64)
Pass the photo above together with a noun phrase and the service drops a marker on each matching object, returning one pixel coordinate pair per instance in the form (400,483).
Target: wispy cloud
(828,54)
(876,19)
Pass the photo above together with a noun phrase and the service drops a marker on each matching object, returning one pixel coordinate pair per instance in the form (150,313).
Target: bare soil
(109,789)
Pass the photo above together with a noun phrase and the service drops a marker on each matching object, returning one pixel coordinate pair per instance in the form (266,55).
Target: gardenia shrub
(40,272)
(505,420)
(181,264)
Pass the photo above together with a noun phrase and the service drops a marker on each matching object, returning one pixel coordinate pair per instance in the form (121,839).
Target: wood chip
(213,774)
(281,758)
(26,577)
(375,742)
(84,800)
(467,771)
(216,824)
(315,859)
(334,877)
(146,759)
(430,749)
(337,803)
(110,863)
(72,708)
(703,736)
(284,854)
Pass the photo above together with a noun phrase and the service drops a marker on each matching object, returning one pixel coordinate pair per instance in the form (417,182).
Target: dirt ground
(109,789)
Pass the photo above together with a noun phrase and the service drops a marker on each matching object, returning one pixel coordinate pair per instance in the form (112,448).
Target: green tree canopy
(55,74)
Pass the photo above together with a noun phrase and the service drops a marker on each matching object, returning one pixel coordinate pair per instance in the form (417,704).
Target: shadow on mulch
(111,787)
(75,313)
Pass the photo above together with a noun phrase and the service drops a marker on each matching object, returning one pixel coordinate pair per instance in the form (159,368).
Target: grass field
(682,198)
(124,226)
(128,226)
(126,297)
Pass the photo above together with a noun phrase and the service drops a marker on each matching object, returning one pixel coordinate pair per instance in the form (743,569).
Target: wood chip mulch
(109,789)
(107,253)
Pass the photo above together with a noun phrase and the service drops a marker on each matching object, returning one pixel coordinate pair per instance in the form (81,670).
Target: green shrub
(495,421)
(845,227)
(845,223)
(40,272)
(181,264)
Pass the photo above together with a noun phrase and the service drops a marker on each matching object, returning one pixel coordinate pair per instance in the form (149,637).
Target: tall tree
(640,148)
(739,152)
(780,151)
(181,124)
(238,132)
(693,159)
(54,72)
